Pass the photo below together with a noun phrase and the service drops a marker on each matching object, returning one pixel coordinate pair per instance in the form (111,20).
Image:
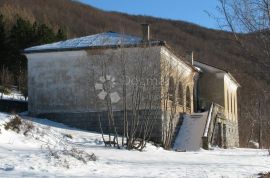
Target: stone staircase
(190,132)
(177,129)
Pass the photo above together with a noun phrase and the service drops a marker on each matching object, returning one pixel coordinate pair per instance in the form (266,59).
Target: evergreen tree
(3,47)
(2,31)
(61,35)
(2,36)
(21,34)
(45,34)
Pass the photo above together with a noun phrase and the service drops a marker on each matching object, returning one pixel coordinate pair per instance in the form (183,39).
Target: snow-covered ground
(14,95)
(28,156)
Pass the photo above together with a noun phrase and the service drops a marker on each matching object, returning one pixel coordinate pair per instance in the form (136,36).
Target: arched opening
(180,97)
(188,98)
(171,89)
(228,103)
(232,107)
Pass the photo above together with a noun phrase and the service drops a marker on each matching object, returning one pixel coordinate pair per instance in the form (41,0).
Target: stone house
(77,80)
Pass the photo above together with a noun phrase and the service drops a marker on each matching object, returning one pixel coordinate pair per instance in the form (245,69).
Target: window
(171,89)
(228,103)
(180,97)
(188,101)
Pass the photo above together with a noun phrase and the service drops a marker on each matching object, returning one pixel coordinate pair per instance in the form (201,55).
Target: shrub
(81,155)
(264,175)
(18,125)
(5,90)
(14,124)
(74,152)
(68,136)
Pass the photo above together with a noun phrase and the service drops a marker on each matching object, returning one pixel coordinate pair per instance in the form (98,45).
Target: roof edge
(142,44)
(180,57)
(225,71)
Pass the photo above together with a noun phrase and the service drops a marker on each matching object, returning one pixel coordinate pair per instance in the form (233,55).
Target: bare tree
(140,97)
(132,74)
(249,22)
(22,84)
(6,81)
(248,17)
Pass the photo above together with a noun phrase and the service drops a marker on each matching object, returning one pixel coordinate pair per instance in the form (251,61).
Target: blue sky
(187,10)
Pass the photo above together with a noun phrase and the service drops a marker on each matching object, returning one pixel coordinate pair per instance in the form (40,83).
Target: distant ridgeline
(20,35)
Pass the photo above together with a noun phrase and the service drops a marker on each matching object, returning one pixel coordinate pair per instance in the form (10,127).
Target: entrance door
(219,137)
(224,136)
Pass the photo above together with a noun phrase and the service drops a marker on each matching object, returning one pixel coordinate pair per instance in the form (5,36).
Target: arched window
(228,103)
(188,101)
(180,97)
(232,106)
(171,89)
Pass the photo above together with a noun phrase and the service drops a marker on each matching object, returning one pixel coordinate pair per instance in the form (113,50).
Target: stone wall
(94,121)
(226,134)
(232,134)
(13,106)
(222,132)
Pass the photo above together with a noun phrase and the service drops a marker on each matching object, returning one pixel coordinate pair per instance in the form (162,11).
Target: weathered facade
(71,81)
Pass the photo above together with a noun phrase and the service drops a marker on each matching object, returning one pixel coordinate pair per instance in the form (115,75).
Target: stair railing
(209,116)
(205,139)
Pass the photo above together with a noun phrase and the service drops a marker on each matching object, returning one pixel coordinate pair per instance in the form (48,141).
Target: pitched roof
(107,39)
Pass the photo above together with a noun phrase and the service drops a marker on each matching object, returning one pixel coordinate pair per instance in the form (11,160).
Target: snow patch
(6,167)
(23,156)
(191,132)
(97,40)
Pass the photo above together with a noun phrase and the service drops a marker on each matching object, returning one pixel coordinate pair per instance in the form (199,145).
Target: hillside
(215,47)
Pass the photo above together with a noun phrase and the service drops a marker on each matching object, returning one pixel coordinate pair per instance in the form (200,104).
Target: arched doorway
(188,100)
(171,90)
(180,94)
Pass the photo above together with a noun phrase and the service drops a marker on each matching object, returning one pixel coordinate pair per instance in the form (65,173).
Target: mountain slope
(215,47)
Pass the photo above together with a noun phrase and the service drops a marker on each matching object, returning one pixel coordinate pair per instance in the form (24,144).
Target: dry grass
(264,175)
(18,125)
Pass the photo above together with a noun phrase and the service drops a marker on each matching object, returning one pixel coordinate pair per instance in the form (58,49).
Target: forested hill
(215,47)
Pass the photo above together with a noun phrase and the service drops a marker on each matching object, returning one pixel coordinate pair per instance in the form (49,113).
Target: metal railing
(215,111)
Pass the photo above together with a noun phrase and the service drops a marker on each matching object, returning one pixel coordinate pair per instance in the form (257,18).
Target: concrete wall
(65,86)
(65,81)
(210,89)
(59,82)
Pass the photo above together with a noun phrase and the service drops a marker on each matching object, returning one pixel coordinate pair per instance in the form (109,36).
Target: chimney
(190,57)
(146,32)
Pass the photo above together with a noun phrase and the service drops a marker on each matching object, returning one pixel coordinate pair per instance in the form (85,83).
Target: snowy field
(29,156)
